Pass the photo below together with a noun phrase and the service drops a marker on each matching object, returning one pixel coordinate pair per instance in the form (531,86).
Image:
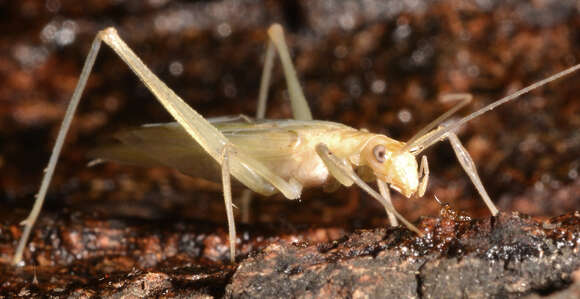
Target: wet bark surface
(505,256)
(115,230)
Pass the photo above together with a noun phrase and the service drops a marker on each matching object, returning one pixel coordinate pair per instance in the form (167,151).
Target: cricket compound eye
(379,153)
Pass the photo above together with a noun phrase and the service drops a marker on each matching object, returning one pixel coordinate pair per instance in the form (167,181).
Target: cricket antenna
(423,143)
(465,98)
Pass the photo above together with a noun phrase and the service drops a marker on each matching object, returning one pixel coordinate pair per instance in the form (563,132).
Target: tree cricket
(299,152)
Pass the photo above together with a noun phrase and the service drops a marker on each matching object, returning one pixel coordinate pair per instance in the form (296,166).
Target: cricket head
(389,164)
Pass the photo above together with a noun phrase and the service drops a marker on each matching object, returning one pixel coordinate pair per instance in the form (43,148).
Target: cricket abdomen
(302,163)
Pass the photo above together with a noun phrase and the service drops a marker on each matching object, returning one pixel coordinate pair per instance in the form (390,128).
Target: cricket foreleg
(384,190)
(344,173)
(469,166)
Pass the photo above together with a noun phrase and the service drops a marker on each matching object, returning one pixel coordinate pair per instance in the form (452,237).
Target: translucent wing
(169,145)
(164,144)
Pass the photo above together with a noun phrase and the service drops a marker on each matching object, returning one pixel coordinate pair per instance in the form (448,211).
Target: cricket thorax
(388,163)
(304,165)
(379,155)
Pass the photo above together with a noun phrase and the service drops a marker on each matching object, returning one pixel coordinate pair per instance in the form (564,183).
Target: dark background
(381,65)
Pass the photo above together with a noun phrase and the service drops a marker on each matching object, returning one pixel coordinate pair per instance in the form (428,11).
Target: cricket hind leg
(300,108)
(344,173)
(227,190)
(247,196)
(49,170)
(384,190)
(243,167)
(265,81)
(201,130)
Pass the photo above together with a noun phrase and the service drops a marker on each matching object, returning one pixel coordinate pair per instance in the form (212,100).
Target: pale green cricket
(299,152)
